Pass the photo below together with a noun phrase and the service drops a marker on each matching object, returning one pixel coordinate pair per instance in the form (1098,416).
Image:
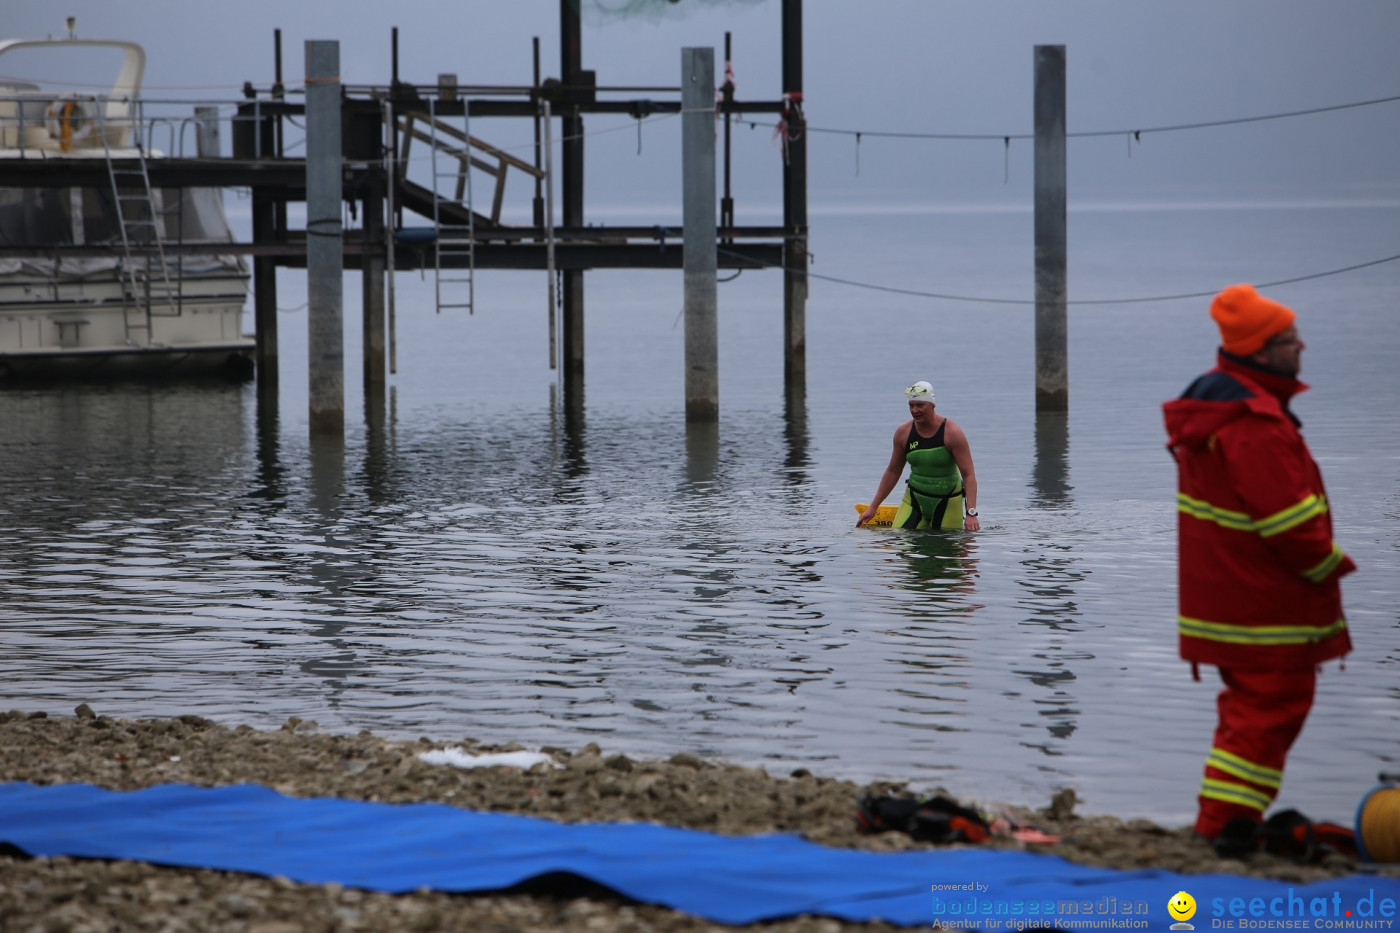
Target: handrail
(472,143)
(466,160)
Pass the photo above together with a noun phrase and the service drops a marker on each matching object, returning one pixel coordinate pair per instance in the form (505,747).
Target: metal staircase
(447,198)
(454,247)
(147,287)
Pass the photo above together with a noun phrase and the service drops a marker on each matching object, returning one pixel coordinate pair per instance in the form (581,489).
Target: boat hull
(85,327)
(232,361)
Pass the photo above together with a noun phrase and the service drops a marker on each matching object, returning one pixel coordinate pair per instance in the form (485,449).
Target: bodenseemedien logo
(972,906)
(1182,908)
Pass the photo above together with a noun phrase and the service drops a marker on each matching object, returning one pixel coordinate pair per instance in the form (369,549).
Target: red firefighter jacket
(1258,569)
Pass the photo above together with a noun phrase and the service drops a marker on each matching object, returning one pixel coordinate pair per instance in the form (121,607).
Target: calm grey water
(480,566)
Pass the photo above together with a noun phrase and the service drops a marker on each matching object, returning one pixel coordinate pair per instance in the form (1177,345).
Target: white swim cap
(920,392)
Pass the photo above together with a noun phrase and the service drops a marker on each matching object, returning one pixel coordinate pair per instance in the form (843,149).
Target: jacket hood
(1191,422)
(1231,391)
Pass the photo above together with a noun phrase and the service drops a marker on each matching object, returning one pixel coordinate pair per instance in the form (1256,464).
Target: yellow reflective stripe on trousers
(1230,792)
(1233,764)
(1291,517)
(1199,508)
(1267,527)
(1329,564)
(1258,634)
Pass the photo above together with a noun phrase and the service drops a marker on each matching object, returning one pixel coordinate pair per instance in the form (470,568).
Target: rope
(1269,116)
(1092,301)
(325,226)
(1134,133)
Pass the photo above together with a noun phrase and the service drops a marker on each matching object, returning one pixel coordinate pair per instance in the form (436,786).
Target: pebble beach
(63,895)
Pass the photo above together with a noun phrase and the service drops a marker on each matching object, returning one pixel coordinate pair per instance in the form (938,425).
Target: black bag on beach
(936,819)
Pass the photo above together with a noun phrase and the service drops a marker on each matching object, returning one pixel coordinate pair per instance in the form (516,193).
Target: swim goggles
(920,392)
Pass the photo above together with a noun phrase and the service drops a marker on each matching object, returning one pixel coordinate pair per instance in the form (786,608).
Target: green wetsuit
(933,496)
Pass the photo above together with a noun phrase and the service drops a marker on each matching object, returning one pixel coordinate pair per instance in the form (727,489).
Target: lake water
(480,566)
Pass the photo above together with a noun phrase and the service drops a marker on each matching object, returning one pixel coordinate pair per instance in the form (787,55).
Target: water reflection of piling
(567,427)
(798,438)
(270,470)
(379,423)
(1050,584)
(327,465)
(1050,473)
(332,574)
(701,455)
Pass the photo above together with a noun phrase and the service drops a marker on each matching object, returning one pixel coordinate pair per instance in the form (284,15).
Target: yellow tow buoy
(1378,824)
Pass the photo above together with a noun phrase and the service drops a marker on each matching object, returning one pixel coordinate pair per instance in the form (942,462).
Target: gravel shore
(78,896)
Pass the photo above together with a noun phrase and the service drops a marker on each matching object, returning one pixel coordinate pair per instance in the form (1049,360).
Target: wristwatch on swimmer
(972,512)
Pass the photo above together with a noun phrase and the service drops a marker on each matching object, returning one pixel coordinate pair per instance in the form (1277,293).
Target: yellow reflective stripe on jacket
(1230,792)
(1258,634)
(1233,764)
(1291,517)
(1329,564)
(1267,527)
(1199,508)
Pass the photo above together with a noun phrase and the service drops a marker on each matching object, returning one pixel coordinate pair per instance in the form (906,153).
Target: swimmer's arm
(962,456)
(891,476)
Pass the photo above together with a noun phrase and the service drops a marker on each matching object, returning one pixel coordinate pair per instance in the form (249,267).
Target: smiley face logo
(1182,907)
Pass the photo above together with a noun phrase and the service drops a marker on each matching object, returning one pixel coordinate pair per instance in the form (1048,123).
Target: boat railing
(37,124)
(430,156)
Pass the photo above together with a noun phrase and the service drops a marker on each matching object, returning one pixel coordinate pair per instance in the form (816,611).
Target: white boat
(99,289)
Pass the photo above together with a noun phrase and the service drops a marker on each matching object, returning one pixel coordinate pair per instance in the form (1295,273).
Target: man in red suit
(1258,569)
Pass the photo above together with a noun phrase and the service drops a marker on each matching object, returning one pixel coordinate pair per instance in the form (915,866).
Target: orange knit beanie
(1247,319)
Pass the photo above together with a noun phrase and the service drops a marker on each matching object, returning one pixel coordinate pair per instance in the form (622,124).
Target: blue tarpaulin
(403,847)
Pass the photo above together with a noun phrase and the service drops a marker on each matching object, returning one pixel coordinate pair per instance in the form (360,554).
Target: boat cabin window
(50,216)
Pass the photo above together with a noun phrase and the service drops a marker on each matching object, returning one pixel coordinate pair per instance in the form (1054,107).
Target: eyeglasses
(1283,341)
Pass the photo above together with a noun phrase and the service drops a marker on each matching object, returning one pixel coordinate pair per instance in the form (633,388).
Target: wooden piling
(698,213)
(1051,237)
(324,240)
(794,209)
(726,200)
(265,287)
(373,324)
(254,140)
(571,191)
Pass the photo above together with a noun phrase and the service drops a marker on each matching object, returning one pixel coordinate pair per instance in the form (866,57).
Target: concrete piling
(324,240)
(699,256)
(1051,238)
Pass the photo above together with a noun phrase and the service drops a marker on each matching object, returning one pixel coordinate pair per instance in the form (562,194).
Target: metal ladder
(148,290)
(454,242)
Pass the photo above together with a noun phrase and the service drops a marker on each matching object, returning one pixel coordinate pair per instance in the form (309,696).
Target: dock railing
(462,147)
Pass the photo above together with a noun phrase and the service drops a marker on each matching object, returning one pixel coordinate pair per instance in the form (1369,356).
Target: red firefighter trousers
(1260,715)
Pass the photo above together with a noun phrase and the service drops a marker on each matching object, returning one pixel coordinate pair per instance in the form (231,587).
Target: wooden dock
(407,225)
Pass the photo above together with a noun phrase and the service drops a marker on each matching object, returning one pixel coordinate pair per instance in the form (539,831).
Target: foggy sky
(871,66)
